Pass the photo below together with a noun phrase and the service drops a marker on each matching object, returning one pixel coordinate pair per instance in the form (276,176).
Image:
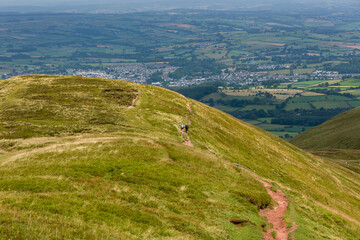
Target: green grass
(330,104)
(351,82)
(218,95)
(306,83)
(348,158)
(253,122)
(258,107)
(265,120)
(320,98)
(283,134)
(273,127)
(80,164)
(340,132)
(354,103)
(298,105)
(226,108)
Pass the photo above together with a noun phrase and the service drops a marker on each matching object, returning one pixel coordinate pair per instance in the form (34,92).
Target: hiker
(186,128)
(182,127)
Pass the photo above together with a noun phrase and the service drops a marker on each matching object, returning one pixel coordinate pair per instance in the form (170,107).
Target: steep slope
(340,132)
(90,158)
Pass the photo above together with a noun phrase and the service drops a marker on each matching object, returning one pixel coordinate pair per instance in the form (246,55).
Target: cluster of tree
(20,56)
(298,59)
(79,54)
(333,91)
(199,91)
(240,102)
(195,68)
(296,117)
(155,77)
(272,83)
(353,66)
(5,59)
(306,117)
(21,49)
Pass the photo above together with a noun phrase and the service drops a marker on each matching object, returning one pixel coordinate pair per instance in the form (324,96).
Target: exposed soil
(190,109)
(134,100)
(187,140)
(275,216)
(239,222)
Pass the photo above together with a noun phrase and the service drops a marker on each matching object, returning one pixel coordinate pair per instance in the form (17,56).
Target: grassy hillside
(349,158)
(86,158)
(340,132)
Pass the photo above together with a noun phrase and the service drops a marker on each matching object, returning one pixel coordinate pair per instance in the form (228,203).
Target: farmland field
(330,104)
(258,107)
(320,98)
(288,69)
(298,105)
(351,83)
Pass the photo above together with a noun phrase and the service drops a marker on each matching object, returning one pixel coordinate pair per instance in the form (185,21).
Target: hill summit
(85,158)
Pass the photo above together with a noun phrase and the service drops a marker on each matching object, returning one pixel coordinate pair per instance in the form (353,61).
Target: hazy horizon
(145,5)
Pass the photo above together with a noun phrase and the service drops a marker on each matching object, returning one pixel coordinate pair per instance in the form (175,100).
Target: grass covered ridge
(78,163)
(340,132)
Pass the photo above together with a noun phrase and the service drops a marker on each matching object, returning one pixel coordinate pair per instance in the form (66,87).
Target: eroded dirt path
(275,216)
(187,140)
(134,100)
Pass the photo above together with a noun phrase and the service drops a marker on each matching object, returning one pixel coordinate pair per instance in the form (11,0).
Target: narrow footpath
(134,100)
(276,216)
(187,140)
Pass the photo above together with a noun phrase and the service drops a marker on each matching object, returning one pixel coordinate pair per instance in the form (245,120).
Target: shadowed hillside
(337,140)
(340,132)
(85,158)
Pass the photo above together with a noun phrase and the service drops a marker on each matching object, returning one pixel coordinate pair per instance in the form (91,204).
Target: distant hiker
(182,127)
(186,128)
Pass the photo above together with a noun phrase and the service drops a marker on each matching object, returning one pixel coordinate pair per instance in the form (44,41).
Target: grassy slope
(349,158)
(340,132)
(92,168)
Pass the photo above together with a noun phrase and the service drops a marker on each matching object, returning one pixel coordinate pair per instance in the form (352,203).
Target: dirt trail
(187,141)
(190,109)
(275,216)
(134,100)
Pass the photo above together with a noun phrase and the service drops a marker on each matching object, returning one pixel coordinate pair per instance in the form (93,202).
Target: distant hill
(340,132)
(86,158)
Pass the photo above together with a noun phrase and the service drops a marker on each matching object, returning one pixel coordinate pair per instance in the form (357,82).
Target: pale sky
(161,4)
(75,2)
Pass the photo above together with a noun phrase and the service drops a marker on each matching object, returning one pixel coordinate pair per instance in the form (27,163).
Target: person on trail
(186,128)
(182,127)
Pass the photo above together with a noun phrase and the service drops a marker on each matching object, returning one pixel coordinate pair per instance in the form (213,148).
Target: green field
(258,107)
(320,98)
(304,84)
(351,83)
(330,104)
(298,105)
